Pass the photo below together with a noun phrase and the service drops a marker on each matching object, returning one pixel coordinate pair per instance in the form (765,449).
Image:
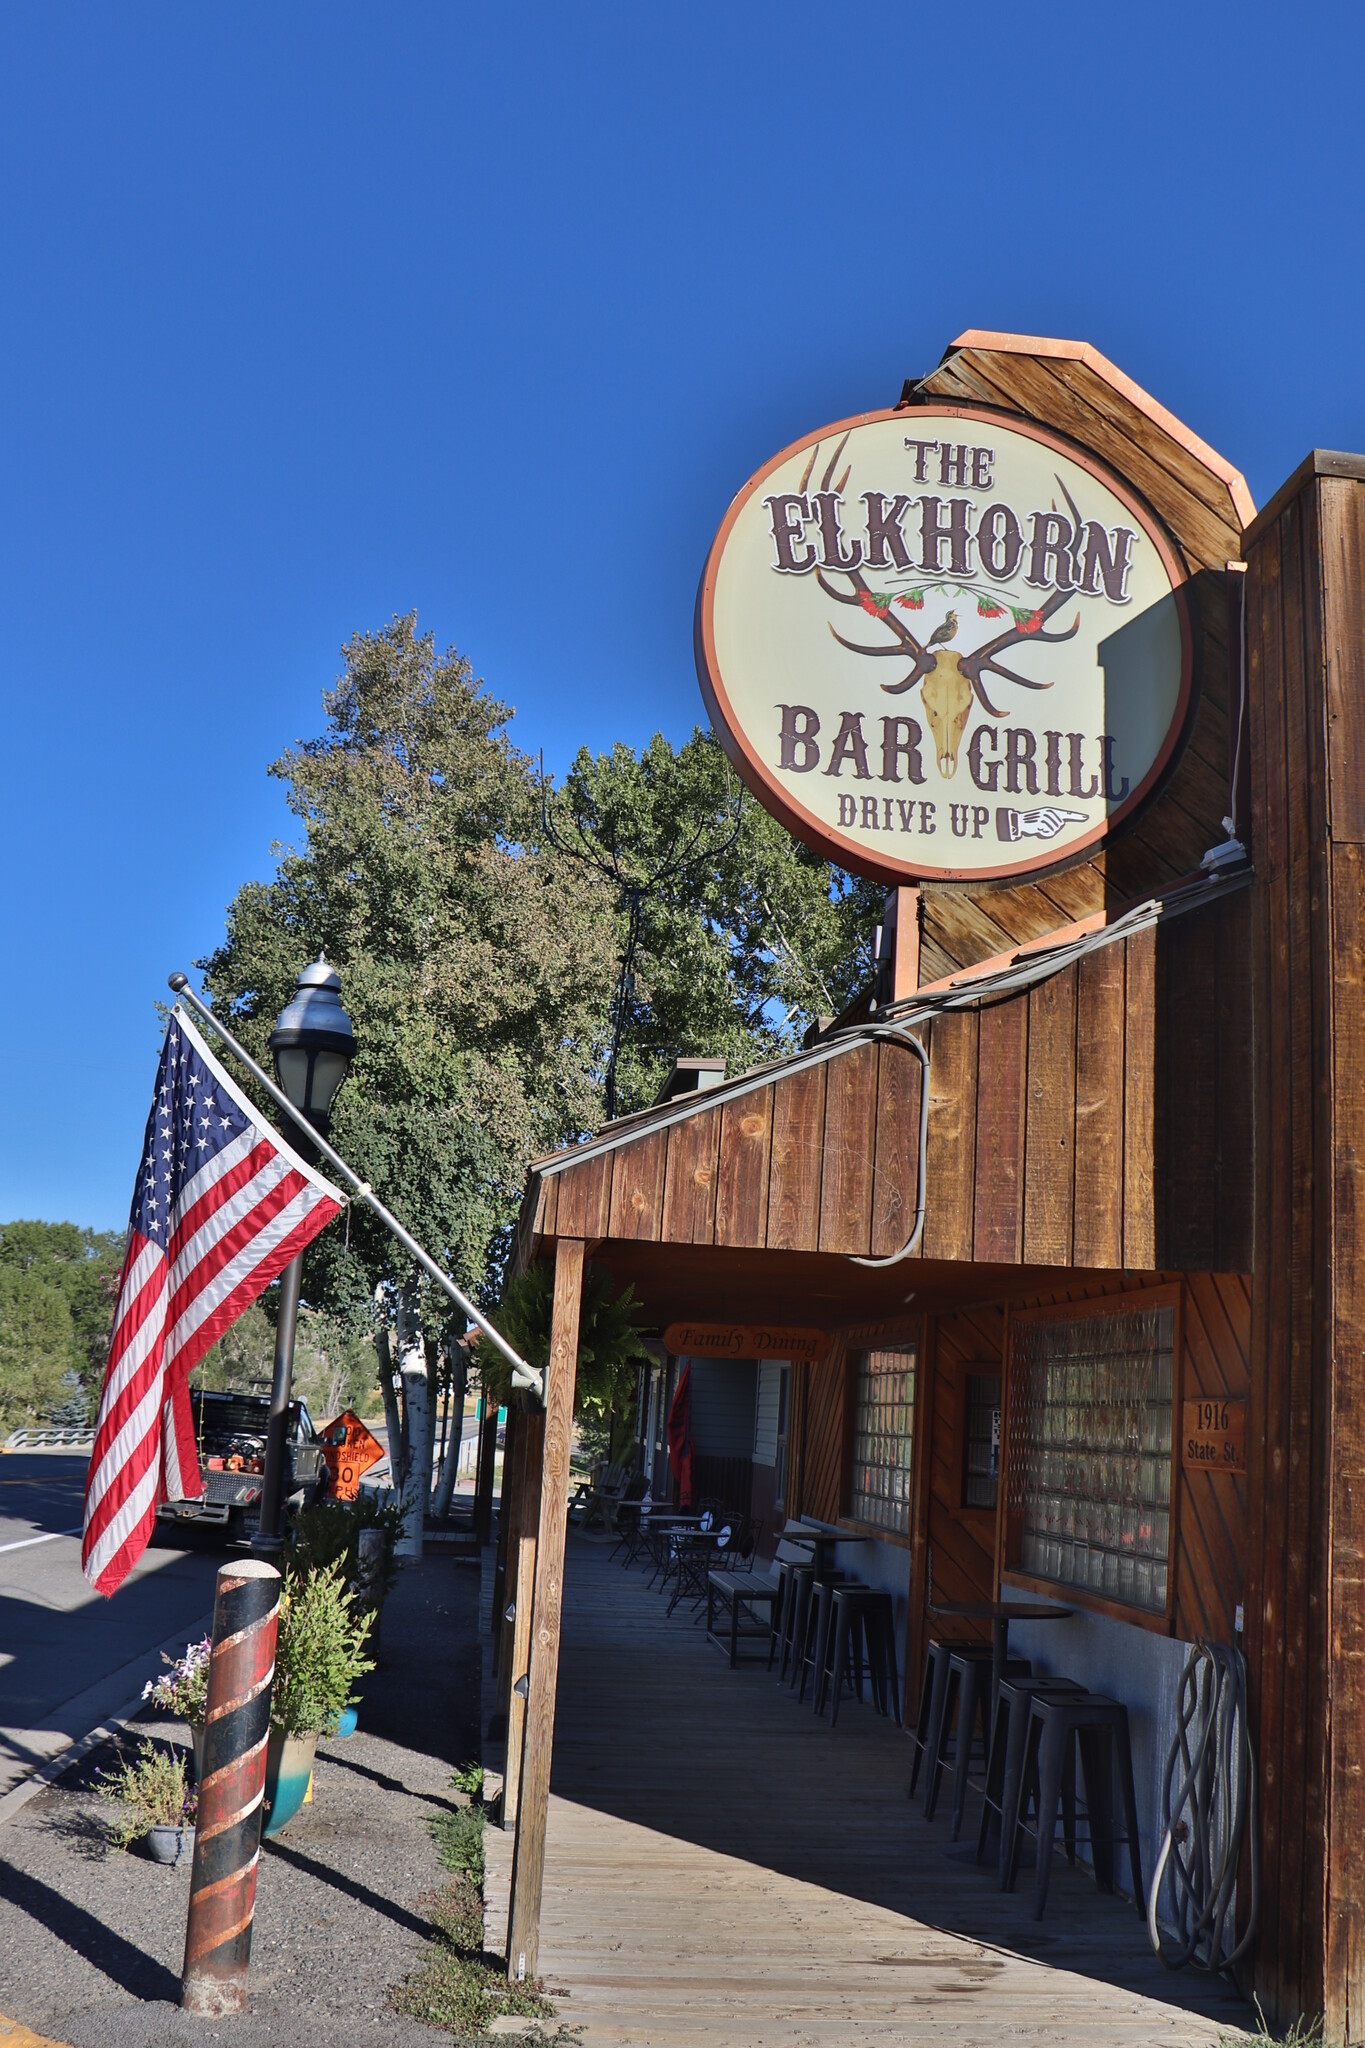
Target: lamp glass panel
(291,1065)
(329,1071)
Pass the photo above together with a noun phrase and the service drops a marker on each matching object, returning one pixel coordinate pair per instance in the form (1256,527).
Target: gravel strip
(91,1940)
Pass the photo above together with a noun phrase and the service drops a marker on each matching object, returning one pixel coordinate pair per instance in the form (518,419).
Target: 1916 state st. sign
(944,644)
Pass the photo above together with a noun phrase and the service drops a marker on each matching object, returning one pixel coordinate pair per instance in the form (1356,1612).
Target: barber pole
(228,1836)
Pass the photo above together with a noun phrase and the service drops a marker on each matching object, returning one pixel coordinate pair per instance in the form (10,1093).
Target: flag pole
(523,1375)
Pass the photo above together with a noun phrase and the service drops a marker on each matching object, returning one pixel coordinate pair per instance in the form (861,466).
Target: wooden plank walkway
(723,1870)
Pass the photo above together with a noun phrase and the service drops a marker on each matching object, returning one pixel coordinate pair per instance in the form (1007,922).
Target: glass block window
(1090,1452)
(883,1431)
(982,1475)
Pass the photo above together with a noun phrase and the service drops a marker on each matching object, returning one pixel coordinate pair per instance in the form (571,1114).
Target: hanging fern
(610,1343)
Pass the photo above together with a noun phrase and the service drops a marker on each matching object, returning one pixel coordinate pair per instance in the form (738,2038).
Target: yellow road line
(15,2035)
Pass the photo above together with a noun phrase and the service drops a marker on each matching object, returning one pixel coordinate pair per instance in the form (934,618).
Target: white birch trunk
(412,1365)
(445,1489)
(393,1422)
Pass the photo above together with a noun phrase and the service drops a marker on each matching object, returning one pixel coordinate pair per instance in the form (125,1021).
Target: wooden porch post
(528,1859)
(1305,1608)
(521,1579)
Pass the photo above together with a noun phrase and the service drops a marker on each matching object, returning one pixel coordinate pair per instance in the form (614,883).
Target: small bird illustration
(941,635)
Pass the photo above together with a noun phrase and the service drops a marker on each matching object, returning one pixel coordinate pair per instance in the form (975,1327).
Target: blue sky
(314,314)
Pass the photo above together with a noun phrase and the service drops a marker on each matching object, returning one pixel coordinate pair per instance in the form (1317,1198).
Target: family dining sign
(945,644)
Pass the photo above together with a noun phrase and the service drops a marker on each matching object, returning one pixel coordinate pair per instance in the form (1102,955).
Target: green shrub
(330,1534)
(319,1652)
(146,1793)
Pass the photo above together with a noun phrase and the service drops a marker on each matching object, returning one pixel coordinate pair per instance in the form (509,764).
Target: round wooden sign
(945,645)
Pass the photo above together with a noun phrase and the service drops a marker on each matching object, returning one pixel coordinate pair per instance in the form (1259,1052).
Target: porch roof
(1049,1135)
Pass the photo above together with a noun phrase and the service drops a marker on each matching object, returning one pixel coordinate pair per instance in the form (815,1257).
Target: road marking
(27,1544)
(14,2034)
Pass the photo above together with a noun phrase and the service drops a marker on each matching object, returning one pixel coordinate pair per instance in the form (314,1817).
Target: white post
(412,1365)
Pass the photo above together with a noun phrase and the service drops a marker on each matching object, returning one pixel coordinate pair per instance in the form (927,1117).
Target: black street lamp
(313,1045)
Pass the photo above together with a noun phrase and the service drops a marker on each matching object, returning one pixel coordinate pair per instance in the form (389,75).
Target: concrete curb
(92,1700)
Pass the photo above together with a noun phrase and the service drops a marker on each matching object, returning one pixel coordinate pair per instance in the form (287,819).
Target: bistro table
(1000,1613)
(820,1543)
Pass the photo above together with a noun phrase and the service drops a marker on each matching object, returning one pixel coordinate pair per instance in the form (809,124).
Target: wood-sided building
(1137,1189)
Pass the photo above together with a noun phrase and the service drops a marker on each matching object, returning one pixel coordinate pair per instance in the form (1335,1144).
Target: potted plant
(183,1692)
(154,1809)
(319,1656)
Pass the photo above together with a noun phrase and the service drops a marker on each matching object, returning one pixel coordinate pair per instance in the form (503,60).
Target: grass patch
(457,1986)
(469,1780)
(1304,2033)
(459,1841)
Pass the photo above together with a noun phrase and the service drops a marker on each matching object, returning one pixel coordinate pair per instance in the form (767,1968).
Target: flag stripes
(222,1205)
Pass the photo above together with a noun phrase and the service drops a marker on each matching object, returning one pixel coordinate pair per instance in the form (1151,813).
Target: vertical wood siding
(1097,1120)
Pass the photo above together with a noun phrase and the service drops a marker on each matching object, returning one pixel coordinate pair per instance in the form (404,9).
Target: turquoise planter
(288,1769)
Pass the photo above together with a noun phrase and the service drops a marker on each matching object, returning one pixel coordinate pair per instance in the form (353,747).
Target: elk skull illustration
(949,680)
(947,699)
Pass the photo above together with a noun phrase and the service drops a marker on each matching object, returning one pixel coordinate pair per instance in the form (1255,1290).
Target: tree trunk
(412,1366)
(392,1420)
(459,1380)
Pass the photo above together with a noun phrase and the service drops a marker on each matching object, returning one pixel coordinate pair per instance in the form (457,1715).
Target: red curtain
(680,1436)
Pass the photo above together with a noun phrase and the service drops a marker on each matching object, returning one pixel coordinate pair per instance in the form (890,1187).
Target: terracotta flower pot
(288,1769)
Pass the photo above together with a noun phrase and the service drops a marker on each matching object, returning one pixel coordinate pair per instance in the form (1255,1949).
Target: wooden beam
(1305,1596)
(521,1592)
(528,1860)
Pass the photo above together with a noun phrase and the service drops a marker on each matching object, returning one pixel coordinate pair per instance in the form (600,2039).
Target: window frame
(858,1347)
(1009,1527)
(970,1369)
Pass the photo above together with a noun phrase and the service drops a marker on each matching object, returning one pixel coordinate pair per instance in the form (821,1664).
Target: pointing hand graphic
(1044,823)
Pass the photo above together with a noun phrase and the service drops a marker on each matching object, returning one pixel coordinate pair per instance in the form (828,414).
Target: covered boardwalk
(1085,1270)
(720,1868)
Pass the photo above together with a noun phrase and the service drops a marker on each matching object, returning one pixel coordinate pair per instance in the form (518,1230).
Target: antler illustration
(905,644)
(985,657)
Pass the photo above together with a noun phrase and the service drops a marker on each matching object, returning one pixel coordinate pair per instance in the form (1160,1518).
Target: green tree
(477,968)
(81,1267)
(37,1345)
(243,1359)
(737,956)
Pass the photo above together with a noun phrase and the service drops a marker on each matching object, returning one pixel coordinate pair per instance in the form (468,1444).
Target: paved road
(69,1658)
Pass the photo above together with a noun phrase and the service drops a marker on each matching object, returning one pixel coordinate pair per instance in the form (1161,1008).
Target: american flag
(220,1208)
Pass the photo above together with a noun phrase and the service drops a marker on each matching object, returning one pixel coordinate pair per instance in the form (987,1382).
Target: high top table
(1000,1613)
(820,1543)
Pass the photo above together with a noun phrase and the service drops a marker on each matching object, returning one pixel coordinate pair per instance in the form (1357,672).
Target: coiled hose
(1207,1802)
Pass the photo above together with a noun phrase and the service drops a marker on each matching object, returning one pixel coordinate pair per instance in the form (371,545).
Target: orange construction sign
(348,1450)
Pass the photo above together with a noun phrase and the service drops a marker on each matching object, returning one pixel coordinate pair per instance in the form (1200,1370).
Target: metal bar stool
(1060,1725)
(819,1628)
(933,1690)
(1000,1802)
(971,1662)
(973,1685)
(864,1615)
(792,1572)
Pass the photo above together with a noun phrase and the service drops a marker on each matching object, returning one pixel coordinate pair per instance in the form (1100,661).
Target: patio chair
(632,1523)
(695,1556)
(666,1533)
(600,1507)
